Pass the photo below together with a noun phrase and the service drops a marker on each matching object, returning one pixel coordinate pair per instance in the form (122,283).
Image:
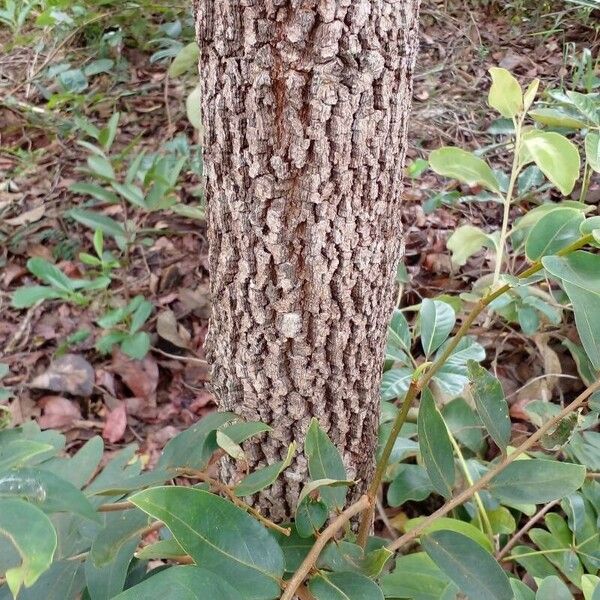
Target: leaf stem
(311,558)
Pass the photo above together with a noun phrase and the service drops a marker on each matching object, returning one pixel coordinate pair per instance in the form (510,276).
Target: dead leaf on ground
(58,412)
(70,373)
(115,425)
(30,216)
(168,329)
(140,376)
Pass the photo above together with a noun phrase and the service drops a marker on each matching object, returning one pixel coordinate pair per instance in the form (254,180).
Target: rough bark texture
(305,107)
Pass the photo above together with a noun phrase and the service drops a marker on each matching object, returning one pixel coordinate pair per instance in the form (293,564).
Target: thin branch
(517,536)
(225,489)
(505,462)
(115,506)
(311,558)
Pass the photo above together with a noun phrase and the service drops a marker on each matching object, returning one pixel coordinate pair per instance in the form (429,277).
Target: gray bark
(305,107)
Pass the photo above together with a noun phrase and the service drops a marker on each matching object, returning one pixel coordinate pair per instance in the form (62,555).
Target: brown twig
(115,506)
(311,558)
(505,462)
(517,536)
(225,489)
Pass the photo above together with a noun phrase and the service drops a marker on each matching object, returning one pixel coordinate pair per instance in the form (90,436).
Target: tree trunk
(305,107)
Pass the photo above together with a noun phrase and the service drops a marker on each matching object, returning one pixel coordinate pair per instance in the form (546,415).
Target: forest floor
(55,374)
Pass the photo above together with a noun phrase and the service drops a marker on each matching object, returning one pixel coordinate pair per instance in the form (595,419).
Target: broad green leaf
(79,468)
(410,483)
(505,93)
(566,561)
(186,58)
(466,241)
(437,321)
(49,492)
(193,447)
(312,486)
(530,94)
(294,547)
(105,582)
(553,231)
(132,193)
(536,565)
(502,520)
(490,403)
(33,537)
(448,524)
(18,452)
(230,543)
(193,107)
(182,583)
(262,478)
(28,295)
(579,273)
(162,549)
(119,530)
(232,448)
(107,135)
(453,375)
(556,156)
(521,591)
(310,517)
(553,588)
(558,117)
(240,432)
(590,583)
(344,586)
(101,166)
(561,433)
(136,345)
(49,274)
(466,563)
(95,191)
(395,383)
(415,576)
(587,105)
(464,424)
(464,166)
(536,480)
(435,446)
(140,316)
(584,366)
(325,462)
(592,150)
(95,220)
(399,332)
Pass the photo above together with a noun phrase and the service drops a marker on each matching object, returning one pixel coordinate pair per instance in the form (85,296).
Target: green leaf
(52,494)
(395,382)
(553,231)
(262,478)
(464,424)
(162,549)
(344,586)
(18,452)
(310,517)
(530,94)
(182,583)
(521,591)
(415,576)
(104,583)
(463,166)
(592,150)
(49,274)
(230,543)
(453,375)
(490,403)
(137,345)
(294,547)
(553,588)
(95,220)
(95,191)
(105,344)
(561,433)
(226,443)
(536,480)
(325,462)
(558,117)
(193,447)
(140,315)
(193,107)
(106,137)
(466,563)
(579,273)
(313,486)
(437,321)
(466,241)
(240,432)
(399,331)
(448,524)
(33,536)
(505,93)
(101,166)
(435,446)
(132,193)
(185,59)
(587,105)
(584,366)
(410,483)
(556,156)
(28,295)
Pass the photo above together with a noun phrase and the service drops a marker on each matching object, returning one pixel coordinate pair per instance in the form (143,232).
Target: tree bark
(305,106)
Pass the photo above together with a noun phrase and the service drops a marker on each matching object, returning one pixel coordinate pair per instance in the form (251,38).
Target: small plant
(104,261)
(58,286)
(124,326)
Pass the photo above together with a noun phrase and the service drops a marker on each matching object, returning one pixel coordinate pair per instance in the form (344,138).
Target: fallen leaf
(70,373)
(30,216)
(58,412)
(115,425)
(140,376)
(167,328)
